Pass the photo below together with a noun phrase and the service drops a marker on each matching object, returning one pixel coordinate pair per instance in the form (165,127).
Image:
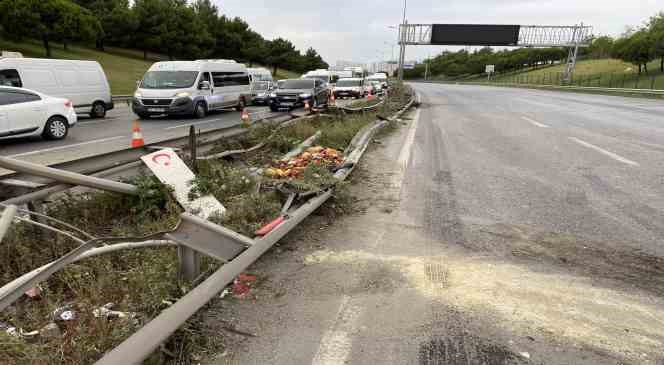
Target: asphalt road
(105,135)
(497,226)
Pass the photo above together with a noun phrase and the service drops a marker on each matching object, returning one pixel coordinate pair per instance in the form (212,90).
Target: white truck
(82,82)
(192,88)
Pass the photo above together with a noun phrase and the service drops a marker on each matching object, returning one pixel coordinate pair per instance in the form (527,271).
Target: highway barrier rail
(236,251)
(591,89)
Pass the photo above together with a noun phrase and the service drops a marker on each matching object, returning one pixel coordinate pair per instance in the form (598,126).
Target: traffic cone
(306,105)
(370,97)
(333,100)
(136,136)
(246,119)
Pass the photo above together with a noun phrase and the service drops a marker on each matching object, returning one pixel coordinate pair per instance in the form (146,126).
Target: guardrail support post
(190,264)
(192,149)
(6,219)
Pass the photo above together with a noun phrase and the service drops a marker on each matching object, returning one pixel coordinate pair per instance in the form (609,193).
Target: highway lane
(101,134)
(498,226)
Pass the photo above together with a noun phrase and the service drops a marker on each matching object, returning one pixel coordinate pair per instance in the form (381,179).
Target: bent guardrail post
(195,235)
(67,176)
(142,343)
(6,219)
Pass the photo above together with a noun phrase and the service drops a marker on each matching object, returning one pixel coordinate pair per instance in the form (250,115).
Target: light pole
(402,40)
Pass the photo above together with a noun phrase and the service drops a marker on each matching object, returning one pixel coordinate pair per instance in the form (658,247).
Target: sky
(358,30)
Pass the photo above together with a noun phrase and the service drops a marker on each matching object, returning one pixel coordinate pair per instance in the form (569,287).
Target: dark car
(293,93)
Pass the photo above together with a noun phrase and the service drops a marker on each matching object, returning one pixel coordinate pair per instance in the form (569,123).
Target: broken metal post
(190,264)
(192,149)
(6,220)
(67,176)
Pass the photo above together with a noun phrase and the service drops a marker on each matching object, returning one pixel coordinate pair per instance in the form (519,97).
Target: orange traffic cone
(245,116)
(137,136)
(306,105)
(370,96)
(333,100)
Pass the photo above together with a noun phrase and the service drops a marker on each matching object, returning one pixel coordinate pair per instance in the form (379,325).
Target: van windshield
(169,79)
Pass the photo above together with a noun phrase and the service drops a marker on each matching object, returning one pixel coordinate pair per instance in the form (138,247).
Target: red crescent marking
(166,156)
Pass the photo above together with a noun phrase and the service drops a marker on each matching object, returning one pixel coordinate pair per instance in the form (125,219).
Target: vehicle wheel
(241,104)
(98,110)
(56,128)
(274,109)
(200,110)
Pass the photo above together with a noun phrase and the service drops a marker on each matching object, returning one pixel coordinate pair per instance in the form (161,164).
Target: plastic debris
(107,312)
(51,330)
(9,329)
(65,314)
(242,285)
(224,293)
(34,293)
(270,226)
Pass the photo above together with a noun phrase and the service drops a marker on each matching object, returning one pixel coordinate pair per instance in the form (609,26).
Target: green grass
(122,66)
(598,73)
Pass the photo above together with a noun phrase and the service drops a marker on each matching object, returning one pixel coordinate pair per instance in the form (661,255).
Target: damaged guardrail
(195,234)
(142,343)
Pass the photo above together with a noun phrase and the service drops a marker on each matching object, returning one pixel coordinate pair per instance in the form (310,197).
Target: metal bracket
(209,238)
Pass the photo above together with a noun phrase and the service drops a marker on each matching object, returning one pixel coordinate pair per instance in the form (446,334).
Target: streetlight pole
(402,41)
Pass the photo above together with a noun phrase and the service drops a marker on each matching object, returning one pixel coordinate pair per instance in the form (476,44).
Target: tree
(151,18)
(281,53)
(118,22)
(656,34)
(601,47)
(76,24)
(635,49)
(45,20)
(312,60)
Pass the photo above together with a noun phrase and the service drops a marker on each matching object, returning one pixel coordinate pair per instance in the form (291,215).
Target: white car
(26,113)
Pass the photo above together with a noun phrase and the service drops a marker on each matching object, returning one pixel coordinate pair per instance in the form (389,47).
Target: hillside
(122,66)
(604,72)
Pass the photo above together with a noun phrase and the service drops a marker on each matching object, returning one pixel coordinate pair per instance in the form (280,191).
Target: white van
(329,77)
(192,88)
(379,76)
(259,74)
(261,83)
(82,82)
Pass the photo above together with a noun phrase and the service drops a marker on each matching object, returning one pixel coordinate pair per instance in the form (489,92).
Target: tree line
(637,46)
(171,27)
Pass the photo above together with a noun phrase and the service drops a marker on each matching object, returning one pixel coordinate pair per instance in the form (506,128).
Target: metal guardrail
(142,343)
(238,252)
(105,164)
(613,90)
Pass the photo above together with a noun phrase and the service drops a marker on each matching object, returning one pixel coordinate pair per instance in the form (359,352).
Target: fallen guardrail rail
(112,163)
(362,109)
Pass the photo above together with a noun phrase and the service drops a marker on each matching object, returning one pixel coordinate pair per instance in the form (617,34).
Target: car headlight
(138,95)
(305,96)
(261,95)
(273,95)
(182,95)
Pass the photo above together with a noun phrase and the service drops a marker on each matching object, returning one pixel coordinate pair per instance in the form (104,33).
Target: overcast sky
(358,30)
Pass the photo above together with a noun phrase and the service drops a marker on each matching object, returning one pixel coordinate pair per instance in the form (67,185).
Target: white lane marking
(404,154)
(604,152)
(189,124)
(535,123)
(68,146)
(336,344)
